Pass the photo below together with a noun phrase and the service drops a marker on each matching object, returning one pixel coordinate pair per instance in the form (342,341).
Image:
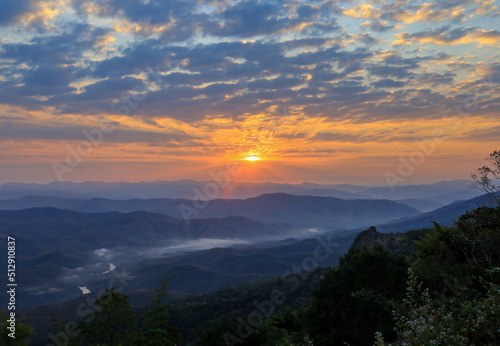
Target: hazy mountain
(421,204)
(442,192)
(183,189)
(58,228)
(308,211)
(332,193)
(327,212)
(444,216)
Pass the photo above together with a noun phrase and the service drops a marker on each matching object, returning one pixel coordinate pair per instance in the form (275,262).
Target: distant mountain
(442,192)
(182,189)
(333,193)
(421,205)
(307,211)
(444,216)
(53,228)
(328,212)
(7,194)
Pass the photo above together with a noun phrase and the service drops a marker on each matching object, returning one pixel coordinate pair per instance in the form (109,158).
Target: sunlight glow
(252,158)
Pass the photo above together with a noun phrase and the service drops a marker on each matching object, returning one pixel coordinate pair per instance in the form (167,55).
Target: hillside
(444,216)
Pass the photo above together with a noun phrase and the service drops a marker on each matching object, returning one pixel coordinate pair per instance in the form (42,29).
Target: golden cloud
(486,7)
(44,12)
(363,11)
(427,13)
(490,38)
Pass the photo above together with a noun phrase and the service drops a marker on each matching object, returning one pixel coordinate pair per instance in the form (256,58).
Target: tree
(458,322)
(22,331)
(439,260)
(114,323)
(478,237)
(356,299)
(156,330)
(487,178)
(458,255)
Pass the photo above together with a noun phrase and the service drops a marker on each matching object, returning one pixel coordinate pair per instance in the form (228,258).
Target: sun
(252,158)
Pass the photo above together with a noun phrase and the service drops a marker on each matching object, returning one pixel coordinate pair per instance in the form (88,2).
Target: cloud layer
(180,79)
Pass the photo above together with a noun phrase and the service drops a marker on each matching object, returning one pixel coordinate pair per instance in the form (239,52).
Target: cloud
(378,25)
(48,290)
(19,131)
(394,65)
(10,11)
(487,8)
(363,11)
(435,79)
(445,36)
(428,12)
(334,137)
(222,60)
(365,38)
(291,136)
(108,89)
(380,136)
(490,72)
(482,135)
(389,83)
(407,13)
(101,252)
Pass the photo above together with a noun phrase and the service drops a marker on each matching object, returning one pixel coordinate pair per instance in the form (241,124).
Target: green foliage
(425,323)
(114,322)
(356,299)
(283,330)
(156,330)
(478,237)
(22,331)
(438,258)
(460,253)
(196,315)
(460,322)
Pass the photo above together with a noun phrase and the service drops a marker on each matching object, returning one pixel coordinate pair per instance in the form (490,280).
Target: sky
(365,92)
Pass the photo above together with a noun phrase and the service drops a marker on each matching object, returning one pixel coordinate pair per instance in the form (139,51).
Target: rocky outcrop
(398,243)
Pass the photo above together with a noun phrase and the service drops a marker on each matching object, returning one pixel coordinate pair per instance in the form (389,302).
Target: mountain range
(306,211)
(440,193)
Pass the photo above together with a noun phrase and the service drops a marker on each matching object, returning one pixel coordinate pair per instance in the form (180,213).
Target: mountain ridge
(306,211)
